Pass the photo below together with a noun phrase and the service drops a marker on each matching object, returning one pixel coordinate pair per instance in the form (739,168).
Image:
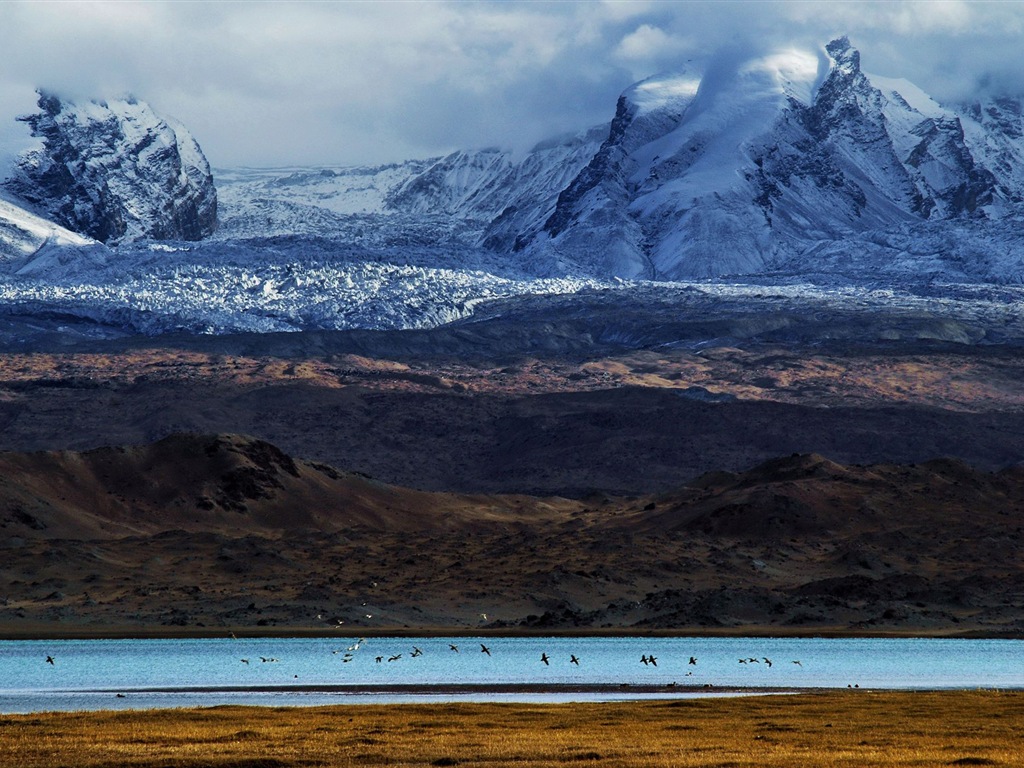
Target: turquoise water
(89,674)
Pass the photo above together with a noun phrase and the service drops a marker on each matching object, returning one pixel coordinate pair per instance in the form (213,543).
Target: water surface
(115,674)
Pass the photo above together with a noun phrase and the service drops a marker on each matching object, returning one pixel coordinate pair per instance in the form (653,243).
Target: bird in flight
(798,663)
(767,661)
(485,649)
(244,661)
(416,652)
(573,659)
(693,660)
(544,658)
(453,647)
(49,660)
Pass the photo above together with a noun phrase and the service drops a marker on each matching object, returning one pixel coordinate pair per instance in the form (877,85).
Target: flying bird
(653,660)
(644,661)
(485,649)
(573,659)
(453,647)
(416,652)
(544,658)
(693,660)
(767,661)
(244,661)
(797,662)
(49,660)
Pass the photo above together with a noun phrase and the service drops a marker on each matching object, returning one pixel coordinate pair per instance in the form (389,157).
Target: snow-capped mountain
(749,166)
(453,198)
(115,171)
(794,171)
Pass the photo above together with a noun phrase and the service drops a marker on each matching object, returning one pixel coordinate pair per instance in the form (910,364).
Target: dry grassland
(814,729)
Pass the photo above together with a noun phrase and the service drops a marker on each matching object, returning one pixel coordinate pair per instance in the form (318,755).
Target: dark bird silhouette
(644,661)
(49,660)
(743,661)
(244,661)
(752,660)
(379,659)
(453,647)
(693,660)
(767,661)
(544,658)
(653,660)
(573,659)
(797,662)
(396,657)
(485,649)
(416,652)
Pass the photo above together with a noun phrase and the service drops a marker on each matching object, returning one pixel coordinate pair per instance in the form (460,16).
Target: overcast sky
(344,83)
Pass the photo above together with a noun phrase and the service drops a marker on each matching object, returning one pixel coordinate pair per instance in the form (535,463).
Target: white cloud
(349,82)
(645,42)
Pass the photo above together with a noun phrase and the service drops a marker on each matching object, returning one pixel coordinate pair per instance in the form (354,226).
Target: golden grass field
(836,728)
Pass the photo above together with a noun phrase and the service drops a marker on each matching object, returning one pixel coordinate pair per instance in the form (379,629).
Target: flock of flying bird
(349,654)
(645,659)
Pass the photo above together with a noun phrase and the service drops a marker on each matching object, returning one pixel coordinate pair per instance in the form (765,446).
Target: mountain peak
(846,57)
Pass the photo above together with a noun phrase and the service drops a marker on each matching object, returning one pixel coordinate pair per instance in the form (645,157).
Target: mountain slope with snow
(755,163)
(115,171)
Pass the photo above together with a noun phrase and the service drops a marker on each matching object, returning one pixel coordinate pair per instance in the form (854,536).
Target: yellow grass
(856,728)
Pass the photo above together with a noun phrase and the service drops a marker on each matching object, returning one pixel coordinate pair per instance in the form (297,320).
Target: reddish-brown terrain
(460,480)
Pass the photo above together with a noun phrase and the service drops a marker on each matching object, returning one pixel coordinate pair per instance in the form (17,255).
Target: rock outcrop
(115,171)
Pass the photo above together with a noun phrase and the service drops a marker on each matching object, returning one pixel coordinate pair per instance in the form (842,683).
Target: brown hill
(210,533)
(806,494)
(224,484)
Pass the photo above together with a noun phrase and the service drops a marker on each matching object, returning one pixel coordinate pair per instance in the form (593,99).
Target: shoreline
(450,689)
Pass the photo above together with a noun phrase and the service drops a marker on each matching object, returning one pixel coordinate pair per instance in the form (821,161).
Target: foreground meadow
(842,728)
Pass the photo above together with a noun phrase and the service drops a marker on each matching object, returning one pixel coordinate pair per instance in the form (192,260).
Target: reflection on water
(90,674)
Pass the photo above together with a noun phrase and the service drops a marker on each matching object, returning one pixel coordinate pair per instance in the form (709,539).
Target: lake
(121,674)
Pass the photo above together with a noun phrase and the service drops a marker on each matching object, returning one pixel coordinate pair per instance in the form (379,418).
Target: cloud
(355,82)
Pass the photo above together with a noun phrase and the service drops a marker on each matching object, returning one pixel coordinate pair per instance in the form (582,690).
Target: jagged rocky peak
(845,56)
(763,157)
(115,171)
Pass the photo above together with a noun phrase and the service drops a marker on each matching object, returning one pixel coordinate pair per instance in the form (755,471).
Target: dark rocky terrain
(601,467)
(222,533)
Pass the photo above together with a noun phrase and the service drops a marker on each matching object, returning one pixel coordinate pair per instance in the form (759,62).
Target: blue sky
(343,83)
